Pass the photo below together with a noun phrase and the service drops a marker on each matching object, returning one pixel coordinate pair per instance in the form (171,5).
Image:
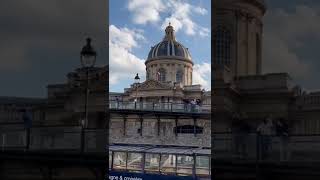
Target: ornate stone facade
(239,87)
(237,35)
(169,61)
(167,88)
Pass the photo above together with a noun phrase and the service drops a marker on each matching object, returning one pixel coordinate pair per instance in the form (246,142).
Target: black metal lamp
(88,59)
(137,78)
(88,55)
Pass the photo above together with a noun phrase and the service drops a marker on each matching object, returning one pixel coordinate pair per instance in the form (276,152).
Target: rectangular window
(152,162)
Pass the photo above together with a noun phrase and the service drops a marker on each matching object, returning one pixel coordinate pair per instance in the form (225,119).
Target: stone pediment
(153,84)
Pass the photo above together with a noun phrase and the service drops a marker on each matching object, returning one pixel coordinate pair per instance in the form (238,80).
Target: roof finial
(169,32)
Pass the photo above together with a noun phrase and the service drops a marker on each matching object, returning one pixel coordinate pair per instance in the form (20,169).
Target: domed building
(169,61)
(169,70)
(165,114)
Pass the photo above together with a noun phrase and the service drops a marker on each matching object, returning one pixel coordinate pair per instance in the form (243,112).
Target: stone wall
(150,135)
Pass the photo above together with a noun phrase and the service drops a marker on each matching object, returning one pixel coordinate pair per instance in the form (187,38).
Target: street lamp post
(174,94)
(88,58)
(136,81)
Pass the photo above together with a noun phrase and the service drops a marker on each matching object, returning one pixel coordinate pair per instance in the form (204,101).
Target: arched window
(148,75)
(161,75)
(258,53)
(179,76)
(222,46)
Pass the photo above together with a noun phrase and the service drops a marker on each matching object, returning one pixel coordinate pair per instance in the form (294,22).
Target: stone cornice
(159,58)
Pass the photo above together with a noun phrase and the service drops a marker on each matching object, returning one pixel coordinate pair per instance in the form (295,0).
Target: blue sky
(136,25)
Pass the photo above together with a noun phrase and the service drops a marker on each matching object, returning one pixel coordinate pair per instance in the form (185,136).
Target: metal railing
(253,146)
(65,139)
(165,107)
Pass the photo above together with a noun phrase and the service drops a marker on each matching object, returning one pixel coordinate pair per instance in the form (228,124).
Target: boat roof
(161,150)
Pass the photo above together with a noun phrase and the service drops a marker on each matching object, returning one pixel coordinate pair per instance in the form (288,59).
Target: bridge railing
(166,107)
(59,138)
(252,146)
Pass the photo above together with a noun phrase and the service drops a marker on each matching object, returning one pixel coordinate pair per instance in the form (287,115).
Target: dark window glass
(222,46)
(161,75)
(258,52)
(179,76)
(148,75)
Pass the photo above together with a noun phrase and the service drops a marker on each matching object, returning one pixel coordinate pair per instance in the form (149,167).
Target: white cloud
(181,18)
(285,34)
(202,75)
(122,63)
(146,11)
(203,32)
(125,37)
(200,10)
(280,58)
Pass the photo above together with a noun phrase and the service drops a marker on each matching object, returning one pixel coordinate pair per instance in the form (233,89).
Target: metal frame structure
(175,151)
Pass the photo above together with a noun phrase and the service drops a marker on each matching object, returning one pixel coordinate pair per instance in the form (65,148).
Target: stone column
(185,76)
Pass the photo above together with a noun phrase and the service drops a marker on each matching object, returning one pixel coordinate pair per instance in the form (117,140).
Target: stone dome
(169,48)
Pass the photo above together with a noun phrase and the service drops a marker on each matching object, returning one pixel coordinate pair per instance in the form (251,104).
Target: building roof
(160,150)
(169,47)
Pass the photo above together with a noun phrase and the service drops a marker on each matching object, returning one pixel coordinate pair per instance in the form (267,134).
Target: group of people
(191,105)
(265,131)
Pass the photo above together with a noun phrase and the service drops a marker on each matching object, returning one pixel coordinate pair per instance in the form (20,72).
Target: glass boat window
(184,165)
(152,162)
(203,165)
(134,161)
(168,164)
(119,160)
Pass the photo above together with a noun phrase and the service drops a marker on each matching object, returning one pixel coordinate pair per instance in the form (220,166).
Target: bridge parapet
(54,138)
(252,146)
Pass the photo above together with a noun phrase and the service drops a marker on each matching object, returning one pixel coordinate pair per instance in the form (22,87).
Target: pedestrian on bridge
(117,102)
(185,105)
(27,120)
(264,132)
(282,131)
(240,131)
(193,105)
